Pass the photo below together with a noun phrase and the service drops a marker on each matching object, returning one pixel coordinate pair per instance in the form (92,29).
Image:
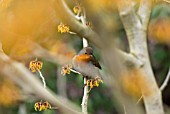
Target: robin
(85,63)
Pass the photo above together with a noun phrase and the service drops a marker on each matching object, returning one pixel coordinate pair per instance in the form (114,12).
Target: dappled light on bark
(133,81)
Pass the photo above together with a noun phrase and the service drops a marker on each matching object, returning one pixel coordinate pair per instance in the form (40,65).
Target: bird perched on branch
(85,63)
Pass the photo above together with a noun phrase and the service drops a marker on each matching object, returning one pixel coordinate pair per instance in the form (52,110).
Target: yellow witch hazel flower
(66,69)
(39,106)
(97,81)
(63,28)
(94,82)
(77,9)
(35,65)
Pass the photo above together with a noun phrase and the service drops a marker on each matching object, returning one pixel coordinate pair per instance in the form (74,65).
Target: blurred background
(28,27)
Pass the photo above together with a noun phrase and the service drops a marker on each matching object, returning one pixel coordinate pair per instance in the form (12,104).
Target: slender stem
(42,77)
(85,43)
(74,71)
(72,32)
(86,93)
(165,81)
(141,97)
(85,98)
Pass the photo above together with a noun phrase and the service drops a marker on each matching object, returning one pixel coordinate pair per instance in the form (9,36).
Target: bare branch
(130,21)
(129,59)
(165,81)
(75,71)
(85,98)
(86,89)
(144,12)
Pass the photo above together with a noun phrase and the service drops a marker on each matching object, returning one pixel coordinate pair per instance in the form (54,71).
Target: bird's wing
(95,62)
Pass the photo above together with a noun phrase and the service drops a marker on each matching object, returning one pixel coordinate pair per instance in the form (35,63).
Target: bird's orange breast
(83,58)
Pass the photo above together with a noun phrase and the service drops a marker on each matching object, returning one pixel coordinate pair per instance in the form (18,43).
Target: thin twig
(77,16)
(139,99)
(52,108)
(85,98)
(165,81)
(75,71)
(72,32)
(42,77)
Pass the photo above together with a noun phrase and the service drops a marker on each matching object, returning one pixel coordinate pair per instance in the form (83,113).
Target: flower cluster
(77,9)
(35,65)
(66,69)
(39,106)
(63,28)
(94,82)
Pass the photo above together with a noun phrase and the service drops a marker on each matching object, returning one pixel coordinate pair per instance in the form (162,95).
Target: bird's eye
(85,53)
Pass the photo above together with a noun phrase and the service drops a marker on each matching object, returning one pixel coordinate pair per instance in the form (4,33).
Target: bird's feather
(95,62)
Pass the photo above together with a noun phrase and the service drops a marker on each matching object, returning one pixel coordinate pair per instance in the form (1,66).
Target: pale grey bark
(136,24)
